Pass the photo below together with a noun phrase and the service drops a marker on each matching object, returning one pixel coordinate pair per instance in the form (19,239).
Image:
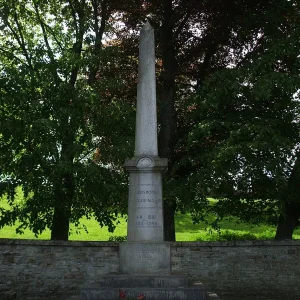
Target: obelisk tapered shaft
(145,209)
(146,120)
(145,251)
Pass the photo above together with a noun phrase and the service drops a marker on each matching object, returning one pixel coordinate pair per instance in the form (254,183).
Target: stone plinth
(145,258)
(145,252)
(145,207)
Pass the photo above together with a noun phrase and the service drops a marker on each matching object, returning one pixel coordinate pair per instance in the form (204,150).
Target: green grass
(185,230)
(230,230)
(95,232)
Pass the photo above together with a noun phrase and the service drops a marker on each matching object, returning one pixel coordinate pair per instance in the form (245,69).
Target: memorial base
(144,274)
(168,287)
(145,258)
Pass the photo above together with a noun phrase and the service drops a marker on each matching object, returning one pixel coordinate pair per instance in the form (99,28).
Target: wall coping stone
(57,243)
(255,243)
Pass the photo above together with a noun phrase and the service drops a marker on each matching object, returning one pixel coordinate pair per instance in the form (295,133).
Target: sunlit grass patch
(90,230)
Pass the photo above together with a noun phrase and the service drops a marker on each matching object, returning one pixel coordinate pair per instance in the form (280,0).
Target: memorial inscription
(147,199)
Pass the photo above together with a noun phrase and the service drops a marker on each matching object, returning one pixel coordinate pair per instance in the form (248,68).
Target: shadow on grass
(184,223)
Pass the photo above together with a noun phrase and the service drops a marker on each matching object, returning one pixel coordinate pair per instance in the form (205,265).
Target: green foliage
(57,128)
(118,238)
(236,235)
(66,107)
(244,137)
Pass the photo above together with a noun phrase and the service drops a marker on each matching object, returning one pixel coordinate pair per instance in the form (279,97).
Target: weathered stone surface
(47,268)
(234,270)
(123,280)
(212,296)
(146,120)
(145,258)
(242,269)
(8,295)
(145,251)
(173,287)
(95,293)
(145,208)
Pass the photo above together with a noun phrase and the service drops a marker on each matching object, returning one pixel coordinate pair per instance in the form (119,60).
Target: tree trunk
(60,223)
(64,185)
(285,227)
(167,110)
(64,194)
(169,220)
(288,219)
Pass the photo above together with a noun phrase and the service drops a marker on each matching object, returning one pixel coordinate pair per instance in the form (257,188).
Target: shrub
(227,235)
(117,238)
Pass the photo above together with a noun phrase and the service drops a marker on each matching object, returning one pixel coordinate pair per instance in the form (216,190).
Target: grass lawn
(185,231)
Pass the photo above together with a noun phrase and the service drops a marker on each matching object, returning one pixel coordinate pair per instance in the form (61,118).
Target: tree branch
(54,36)
(254,50)
(73,12)
(77,47)
(99,34)
(9,52)
(49,50)
(20,40)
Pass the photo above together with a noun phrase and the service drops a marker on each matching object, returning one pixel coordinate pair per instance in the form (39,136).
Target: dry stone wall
(235,270)
(46,268)
(243,270)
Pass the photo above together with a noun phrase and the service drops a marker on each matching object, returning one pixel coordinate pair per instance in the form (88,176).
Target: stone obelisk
(145,264)
(145,252)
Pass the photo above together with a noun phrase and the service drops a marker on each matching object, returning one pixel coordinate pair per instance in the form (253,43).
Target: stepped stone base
(172,287)
(130,281)
(150,294)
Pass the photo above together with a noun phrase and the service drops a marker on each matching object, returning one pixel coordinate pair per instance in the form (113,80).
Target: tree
(54,131)
(244,144)
(196,42)
(194,39)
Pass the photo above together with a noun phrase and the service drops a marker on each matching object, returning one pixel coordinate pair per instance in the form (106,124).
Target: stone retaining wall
(243,270)
(235,270)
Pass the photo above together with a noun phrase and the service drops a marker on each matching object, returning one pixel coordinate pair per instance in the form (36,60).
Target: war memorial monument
(145,260)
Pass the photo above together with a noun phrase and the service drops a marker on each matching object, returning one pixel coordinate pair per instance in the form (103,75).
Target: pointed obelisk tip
(147,26)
